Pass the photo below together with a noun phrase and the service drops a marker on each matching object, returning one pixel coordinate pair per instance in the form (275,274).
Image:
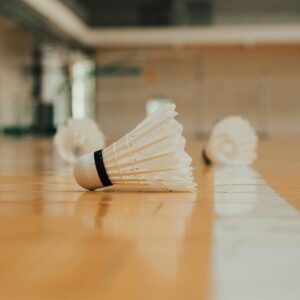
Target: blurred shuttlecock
(150,157)
(233,141)
(78,137)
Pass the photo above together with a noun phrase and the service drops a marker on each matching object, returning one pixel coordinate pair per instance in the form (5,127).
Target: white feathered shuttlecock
(150,157)
(78,137)
(233,141)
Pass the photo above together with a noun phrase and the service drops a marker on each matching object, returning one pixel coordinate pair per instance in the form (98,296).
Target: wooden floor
(60,242)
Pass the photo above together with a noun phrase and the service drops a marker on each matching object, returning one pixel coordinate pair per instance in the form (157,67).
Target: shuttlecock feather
(150,157)
(233,141)
(78,137)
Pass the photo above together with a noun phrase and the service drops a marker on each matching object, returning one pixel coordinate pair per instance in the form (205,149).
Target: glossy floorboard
(60,242)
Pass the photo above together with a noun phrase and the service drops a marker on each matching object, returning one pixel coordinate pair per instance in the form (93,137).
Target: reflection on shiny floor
(236,238)
(61,242)
(256,244)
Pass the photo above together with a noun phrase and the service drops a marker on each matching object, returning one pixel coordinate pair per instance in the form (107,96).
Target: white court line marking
(256,240)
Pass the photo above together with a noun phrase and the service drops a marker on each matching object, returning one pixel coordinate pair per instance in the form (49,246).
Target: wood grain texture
(60,242)
(279,164)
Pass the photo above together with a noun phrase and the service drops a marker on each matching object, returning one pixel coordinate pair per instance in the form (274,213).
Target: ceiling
(143,13)
(120,13)
(88,24)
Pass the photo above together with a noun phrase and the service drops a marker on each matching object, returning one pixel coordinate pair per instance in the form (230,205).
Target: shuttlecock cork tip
(85,173)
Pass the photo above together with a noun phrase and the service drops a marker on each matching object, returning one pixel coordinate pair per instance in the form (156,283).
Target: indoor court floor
(237,238)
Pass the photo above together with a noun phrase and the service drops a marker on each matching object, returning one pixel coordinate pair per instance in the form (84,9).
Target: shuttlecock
(78,137)
(150,157)
(233,141)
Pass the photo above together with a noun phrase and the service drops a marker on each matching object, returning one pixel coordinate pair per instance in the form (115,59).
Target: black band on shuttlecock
(98,156)
(205,157)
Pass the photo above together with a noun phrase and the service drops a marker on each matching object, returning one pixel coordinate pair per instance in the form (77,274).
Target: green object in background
(17,130)
(117,70)
(43,119)
(43,124)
